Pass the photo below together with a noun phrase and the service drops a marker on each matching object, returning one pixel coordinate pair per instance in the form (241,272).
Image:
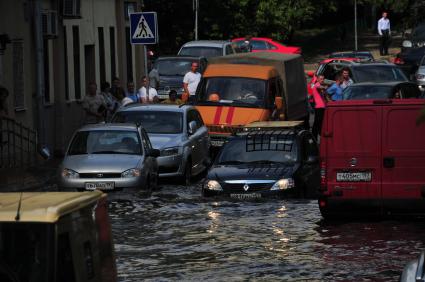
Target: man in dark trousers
(384,31)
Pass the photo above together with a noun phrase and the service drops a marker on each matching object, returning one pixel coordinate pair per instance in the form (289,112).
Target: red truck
(372,155)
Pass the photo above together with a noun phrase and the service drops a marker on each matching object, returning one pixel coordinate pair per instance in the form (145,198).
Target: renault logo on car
(246,187)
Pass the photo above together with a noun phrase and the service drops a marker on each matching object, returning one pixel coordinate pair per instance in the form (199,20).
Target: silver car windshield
(235,152)
(105,142)
(161,122)
(201,51)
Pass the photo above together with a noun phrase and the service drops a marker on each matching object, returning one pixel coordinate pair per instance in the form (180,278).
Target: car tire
(154,183)
(187,173)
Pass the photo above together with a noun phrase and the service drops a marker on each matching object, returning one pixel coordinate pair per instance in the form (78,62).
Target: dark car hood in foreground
(251,172)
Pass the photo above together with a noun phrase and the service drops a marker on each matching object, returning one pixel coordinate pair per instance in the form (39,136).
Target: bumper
(246,195)
(336,207)
(118,183)
(170,166)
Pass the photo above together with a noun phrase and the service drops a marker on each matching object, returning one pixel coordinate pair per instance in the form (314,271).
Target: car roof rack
(270,135)
(272,125)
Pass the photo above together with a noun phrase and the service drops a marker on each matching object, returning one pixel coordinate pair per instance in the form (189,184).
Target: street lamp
(355,25)
(196,8)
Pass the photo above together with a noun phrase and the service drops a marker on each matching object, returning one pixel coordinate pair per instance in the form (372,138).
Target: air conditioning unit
(49,21)
(71,8)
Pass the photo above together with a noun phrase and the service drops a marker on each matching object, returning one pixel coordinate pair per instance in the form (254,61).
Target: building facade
(56,48)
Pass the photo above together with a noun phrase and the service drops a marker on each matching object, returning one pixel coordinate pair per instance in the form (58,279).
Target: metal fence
(18,144)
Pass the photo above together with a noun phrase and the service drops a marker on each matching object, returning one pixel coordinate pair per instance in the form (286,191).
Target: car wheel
(187,174)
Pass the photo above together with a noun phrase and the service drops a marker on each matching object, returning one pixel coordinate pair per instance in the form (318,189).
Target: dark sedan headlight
(283,184)
(130,173)
(213,185)
(69,173)
(169,151)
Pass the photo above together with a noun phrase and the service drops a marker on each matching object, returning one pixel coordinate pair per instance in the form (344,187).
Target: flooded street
(176,235)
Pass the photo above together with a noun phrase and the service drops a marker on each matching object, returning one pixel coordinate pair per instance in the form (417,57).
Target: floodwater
(176,235)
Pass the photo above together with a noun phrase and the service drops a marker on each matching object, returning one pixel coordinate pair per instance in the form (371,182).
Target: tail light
(323,180)
(398,61)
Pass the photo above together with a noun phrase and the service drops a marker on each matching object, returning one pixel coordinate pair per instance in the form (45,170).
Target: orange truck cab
(372,155)
(239,89)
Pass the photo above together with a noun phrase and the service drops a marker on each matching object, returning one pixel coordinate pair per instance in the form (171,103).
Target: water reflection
(177,235)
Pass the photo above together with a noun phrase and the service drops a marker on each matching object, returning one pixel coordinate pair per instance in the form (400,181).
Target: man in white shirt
(384,31)
(147,94)
(191,80)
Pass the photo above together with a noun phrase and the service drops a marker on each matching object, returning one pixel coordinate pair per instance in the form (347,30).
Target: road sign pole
(145,51)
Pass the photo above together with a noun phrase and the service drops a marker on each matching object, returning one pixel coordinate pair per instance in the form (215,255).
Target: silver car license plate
(246,196)
(364,176)
(100,186)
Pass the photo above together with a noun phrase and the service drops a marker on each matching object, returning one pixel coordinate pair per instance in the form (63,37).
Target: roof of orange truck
(240,70)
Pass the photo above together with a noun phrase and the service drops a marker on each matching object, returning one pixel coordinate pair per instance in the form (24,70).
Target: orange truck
(240,89)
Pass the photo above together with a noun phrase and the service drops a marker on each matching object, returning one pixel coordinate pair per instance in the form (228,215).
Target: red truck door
(353,157)
(403,158)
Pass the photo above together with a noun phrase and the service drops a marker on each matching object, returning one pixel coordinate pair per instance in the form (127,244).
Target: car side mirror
(312,160)
(310,73)
(192,127)
(153,153)
(278,101)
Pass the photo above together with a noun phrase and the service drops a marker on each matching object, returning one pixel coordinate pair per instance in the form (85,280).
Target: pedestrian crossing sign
(143,28)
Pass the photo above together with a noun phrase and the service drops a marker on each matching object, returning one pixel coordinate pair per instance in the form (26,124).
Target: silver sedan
(178,132)
(110,157)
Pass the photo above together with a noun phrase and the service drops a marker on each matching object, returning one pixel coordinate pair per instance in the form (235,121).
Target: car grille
(238,188)
(224,129)
(100,175)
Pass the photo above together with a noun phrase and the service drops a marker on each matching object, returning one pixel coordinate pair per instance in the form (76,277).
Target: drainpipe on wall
(40,87)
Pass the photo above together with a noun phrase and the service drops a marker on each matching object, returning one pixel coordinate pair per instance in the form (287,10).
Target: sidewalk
(40,178)
(318,44)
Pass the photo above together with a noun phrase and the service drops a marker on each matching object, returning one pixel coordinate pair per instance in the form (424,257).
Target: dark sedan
(280,162)
(171,71)
(383,90)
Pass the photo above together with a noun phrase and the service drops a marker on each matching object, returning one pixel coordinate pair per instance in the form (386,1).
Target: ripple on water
(178,235)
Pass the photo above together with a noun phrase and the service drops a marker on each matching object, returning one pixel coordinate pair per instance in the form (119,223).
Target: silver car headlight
(169,151)
(213,185)
(420,76)
(283,184)
(130,173)
(69,173)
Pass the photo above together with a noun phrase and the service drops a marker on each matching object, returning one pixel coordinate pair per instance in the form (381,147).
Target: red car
(262,44)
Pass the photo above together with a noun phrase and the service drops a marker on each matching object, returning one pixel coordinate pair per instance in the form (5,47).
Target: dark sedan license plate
(246,196)
(100,186)
(361,176)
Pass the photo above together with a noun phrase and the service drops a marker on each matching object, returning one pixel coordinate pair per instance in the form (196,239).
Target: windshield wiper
(231,162)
